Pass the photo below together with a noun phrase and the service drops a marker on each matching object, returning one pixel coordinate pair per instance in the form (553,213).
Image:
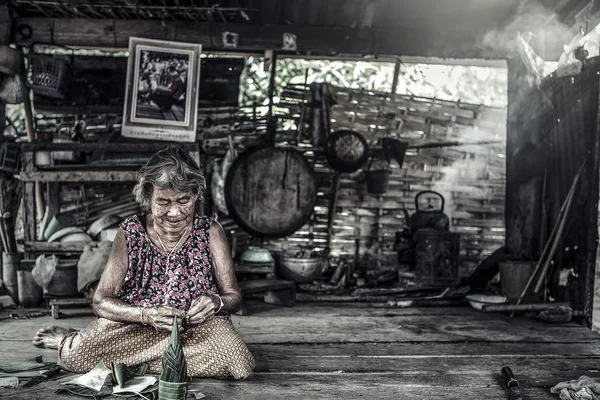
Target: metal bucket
(513,278)
(377,180)
(30,293)
(64,280)
(10,265)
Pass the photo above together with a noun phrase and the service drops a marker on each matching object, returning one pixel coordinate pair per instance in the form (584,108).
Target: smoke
(537,24)
(465,178)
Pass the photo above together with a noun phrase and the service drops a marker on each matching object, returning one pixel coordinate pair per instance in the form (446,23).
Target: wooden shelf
(55,247)
(123,147)
(77,176)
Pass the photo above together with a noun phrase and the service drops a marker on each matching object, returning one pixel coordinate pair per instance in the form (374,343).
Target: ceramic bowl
(58,222)
(76,237)
(104,222)
(477,301)
(70,234)
(255,254)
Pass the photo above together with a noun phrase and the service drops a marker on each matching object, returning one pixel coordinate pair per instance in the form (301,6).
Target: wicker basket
(48,75)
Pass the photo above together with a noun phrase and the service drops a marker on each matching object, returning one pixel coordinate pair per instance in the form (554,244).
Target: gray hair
(171,168)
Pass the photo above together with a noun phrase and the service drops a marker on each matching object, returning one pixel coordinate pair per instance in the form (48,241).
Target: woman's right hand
(161,318)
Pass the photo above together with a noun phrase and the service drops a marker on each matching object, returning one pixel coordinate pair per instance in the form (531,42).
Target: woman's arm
(223,270)
(108,305)
(205,307)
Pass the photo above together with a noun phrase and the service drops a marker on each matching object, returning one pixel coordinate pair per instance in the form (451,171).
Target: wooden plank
(290,386)
(262,285)
(54,247)
(420,364)
(316,329)
(29,213)
(112,147)
(78,176)
(314,39)
(353,386)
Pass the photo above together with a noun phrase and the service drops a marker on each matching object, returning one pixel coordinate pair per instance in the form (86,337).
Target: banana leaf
(121,373)
(174,364)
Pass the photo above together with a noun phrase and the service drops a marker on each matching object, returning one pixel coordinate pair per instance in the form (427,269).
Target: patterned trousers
(213,349)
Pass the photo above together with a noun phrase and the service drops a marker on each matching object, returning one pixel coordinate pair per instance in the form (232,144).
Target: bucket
(30,293)
(513,278)
(64,280)
(10,265)
(172,391)
(377,180)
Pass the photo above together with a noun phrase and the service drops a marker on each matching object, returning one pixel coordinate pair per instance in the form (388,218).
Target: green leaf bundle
(174,365)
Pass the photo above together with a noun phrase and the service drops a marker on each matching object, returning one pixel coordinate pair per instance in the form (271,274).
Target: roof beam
(316,40)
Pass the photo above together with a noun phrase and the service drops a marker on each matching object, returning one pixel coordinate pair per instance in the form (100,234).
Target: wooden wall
(555,129)
(470,177)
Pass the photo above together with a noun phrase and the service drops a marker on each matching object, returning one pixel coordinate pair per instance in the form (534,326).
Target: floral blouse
(150,281)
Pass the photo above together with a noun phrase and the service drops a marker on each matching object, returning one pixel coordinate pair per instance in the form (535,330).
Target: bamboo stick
(521,307)
(552,242)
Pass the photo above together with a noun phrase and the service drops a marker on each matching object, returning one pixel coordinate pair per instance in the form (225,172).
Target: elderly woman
(170,262)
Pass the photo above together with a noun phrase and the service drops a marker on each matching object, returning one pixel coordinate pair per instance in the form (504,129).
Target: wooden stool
(263,269)
(55,304)
(281,293)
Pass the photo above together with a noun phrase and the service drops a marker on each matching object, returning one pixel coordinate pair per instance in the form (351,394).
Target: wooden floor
(326,351)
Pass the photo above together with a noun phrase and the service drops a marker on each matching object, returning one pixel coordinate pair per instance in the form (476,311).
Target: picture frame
(161,97)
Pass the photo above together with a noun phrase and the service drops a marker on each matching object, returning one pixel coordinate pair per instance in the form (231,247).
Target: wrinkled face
(172,209)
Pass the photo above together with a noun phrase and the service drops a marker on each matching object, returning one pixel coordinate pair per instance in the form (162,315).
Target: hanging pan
(346,150)
(271,191)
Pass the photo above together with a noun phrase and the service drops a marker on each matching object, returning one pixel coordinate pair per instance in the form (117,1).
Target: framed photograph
(161,98)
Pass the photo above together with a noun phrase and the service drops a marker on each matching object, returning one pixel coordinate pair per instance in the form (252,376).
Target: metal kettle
(430,217)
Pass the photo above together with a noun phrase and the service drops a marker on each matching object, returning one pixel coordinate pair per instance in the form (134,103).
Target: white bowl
(477,301)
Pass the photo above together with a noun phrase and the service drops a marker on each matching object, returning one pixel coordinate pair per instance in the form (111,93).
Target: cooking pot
(428,218)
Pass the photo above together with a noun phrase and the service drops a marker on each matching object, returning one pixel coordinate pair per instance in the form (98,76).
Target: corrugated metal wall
(561,122)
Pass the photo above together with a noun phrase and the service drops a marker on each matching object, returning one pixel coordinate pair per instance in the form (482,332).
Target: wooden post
(271,123)
(29,212)
(396,75)
(523,202)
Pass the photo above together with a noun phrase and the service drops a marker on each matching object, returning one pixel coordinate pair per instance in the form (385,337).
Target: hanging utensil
(346,150)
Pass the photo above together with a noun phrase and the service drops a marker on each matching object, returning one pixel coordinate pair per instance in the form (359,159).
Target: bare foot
(50,336)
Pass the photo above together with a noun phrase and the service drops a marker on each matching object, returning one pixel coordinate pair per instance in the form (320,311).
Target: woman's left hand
(202,309)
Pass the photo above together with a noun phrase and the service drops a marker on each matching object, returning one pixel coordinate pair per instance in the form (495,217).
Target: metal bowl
(477,301)
(300,269)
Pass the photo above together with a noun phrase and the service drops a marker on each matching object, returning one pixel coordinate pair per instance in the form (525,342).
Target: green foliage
(479,85)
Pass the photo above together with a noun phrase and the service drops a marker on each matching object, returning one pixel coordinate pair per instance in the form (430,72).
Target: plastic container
(48,75)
